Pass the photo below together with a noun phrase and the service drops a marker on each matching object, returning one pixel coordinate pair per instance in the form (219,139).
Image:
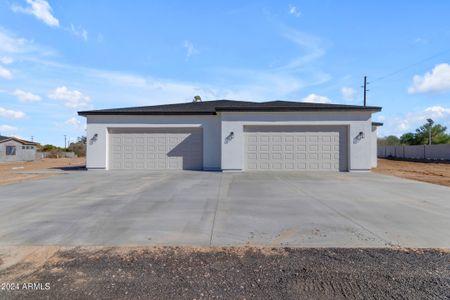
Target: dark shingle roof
(212,107)
(24,142)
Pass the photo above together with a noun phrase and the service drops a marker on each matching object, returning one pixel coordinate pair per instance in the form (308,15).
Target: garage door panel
(289,166)
(313,166)
(296,147)
(288,147)
(128,165)
(264,139)
(140,164)
(156,148)
(289,139)
(326,156)
(117,164)
(276,147)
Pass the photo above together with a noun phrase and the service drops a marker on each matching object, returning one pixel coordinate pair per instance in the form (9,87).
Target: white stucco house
(14,149)
(231,135)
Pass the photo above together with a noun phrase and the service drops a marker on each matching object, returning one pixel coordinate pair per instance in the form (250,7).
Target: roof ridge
(213,106)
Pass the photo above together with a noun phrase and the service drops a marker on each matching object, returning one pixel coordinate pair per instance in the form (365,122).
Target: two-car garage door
(156,148)
(296,148)
(266,148)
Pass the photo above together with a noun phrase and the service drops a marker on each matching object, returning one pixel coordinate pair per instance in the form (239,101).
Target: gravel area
(12,172)
(431,172)
(232,273)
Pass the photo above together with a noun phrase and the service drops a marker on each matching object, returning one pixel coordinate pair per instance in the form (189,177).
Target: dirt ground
(227,273)
(9,170)
(437,173)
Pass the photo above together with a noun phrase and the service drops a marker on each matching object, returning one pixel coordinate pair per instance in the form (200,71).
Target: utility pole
(365,91)
(65,142)
(32,138)
(430,122)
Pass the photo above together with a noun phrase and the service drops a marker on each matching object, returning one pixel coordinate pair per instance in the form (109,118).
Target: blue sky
(58,57)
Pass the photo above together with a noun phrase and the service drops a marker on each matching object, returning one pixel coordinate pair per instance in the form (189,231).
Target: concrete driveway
(208,208)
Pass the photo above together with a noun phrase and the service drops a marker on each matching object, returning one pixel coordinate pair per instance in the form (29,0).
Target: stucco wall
(21,154)
(359,149)
(97,154)
(229,155)
(374,149)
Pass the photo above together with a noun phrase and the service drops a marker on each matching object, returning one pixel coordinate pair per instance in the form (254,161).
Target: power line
(409,66)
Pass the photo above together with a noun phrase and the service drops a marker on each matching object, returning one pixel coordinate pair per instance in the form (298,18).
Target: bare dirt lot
(437,173)
(10,171)
(227,273)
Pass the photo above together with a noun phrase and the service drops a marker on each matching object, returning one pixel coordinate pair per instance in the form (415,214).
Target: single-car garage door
(296,148)
(156,148)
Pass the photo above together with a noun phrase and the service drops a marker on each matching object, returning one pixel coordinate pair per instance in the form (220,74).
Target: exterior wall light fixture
(229,137)
(93,139)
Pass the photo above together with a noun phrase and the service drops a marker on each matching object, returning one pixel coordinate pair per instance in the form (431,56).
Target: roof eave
(19,141)
(290,109)
(140,113)
(231,109)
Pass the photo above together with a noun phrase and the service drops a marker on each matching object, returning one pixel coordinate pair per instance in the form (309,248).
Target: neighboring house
(233,136)
(14,149)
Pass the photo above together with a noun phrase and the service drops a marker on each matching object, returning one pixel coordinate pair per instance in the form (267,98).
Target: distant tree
(390,140)
(408,139)
(48,147)
(82,139)
(197,99)
(79,148)
(438,134)
(421,135)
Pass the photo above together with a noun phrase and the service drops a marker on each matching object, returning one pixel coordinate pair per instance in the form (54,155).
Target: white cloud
(11,45)
(12,114)
(437,80)
(75,123)
(79,32)
(437,112)
(284,81)
(311,46)
(71,98)
(348,93)
(409,121)
(6,60)
(7,128)
(294,11)
(5,73)
(313,98)
(26,96)
(40,9)
(190,49)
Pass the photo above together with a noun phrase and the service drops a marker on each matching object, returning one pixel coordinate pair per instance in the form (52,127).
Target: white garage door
(156,148)
(296,147)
